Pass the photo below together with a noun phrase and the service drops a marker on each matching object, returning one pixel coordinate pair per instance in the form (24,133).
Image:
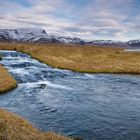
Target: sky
(86,19)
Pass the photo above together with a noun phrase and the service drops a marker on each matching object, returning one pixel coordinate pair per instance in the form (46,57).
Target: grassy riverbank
(88,59)
(12,127)
(7,83)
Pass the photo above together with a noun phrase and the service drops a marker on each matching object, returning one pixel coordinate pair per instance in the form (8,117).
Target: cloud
(96,19)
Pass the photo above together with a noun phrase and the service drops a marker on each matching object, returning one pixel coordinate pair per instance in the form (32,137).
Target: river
(90,106)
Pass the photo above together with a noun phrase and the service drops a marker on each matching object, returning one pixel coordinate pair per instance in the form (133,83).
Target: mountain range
(33,35)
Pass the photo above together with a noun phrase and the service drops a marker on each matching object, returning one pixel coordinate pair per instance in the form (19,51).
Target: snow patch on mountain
(134,43)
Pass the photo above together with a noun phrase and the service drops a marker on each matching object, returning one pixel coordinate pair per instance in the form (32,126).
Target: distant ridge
(33,35)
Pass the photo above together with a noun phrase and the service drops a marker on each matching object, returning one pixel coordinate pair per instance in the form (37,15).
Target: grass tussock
(88,59)
(12,127)
(6,81)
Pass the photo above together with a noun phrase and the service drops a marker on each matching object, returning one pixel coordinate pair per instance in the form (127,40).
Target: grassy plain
(89,59)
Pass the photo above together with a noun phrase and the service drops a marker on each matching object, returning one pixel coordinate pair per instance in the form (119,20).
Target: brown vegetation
(13,127)
(6,81)
(88,59)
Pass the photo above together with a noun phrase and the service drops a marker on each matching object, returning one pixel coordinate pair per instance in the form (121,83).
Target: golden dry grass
(12,127)
(6,81)
(82,58)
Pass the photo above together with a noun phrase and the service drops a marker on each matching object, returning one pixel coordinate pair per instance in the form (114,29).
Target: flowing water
(91,106)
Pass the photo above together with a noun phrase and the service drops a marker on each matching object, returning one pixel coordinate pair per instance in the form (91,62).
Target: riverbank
(7,83)
(87,59)
(12,127)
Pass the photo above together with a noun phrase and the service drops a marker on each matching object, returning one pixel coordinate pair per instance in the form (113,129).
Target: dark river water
(90,106)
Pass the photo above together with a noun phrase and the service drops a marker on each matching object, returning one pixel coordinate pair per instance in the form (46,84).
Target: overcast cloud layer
(87,19)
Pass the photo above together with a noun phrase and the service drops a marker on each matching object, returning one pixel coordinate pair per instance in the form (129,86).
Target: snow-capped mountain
(33,35)
(107,42)
(22,34)
(134,43)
